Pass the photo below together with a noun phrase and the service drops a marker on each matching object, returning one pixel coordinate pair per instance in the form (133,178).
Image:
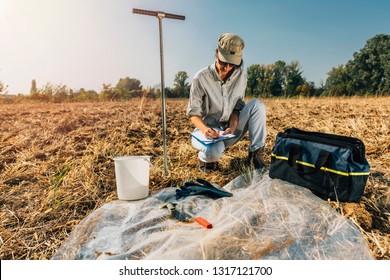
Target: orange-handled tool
(203,222)
(183,216)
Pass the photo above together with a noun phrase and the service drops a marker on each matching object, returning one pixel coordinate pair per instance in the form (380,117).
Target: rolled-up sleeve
(239,105)
(196,99)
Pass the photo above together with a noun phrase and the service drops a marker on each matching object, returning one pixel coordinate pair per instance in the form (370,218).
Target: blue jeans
(253,119)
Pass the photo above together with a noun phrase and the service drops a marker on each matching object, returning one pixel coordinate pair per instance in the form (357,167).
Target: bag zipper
(357,142)
(356,149)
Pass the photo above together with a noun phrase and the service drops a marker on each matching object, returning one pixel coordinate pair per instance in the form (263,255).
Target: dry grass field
(56,161)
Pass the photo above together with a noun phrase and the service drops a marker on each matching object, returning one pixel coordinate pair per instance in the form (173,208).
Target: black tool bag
(332,166)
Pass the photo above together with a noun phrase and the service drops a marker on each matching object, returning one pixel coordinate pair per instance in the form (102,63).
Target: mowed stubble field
(56,161)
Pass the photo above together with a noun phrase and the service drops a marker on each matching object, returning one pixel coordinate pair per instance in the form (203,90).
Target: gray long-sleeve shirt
(212,99)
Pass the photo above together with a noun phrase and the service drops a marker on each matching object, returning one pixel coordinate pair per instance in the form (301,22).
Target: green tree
(62,93)
(293,78)
(370,68)
(51,92)
(260,77)
(278,78)
(181,88)
(367,73)
(84,95)
(108,93)
(337,82)
(254,78)
(305,90)
(128,87)
(275,79)
(266,81)
(57,93)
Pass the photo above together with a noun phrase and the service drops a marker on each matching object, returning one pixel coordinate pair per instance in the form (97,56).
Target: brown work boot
(256,158)
(208,167)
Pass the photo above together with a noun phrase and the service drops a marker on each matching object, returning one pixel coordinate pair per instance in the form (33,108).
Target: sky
(88,43)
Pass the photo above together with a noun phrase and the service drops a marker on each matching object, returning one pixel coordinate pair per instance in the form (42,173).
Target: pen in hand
(211,128)
(214,134)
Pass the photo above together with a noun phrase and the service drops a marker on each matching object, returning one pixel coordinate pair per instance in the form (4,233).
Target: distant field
(56,162)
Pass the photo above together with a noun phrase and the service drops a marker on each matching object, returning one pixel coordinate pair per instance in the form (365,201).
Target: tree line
(125,89)
(368,73)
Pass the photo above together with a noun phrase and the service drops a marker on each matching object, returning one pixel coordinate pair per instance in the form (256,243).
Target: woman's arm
(233,122)
(207,131)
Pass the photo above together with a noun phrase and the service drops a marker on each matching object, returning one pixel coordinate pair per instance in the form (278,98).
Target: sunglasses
(225,64)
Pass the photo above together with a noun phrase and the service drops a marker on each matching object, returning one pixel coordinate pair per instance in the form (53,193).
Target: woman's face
(223,68)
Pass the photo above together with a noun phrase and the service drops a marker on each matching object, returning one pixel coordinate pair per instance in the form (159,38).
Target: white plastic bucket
(132,177)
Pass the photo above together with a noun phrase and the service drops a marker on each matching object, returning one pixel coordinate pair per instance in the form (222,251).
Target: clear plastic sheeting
(264,219)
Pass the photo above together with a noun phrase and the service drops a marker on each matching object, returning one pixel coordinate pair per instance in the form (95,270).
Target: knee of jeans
(258,105)
(215,152)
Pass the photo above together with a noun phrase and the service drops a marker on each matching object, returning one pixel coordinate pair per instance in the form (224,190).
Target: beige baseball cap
(230,48)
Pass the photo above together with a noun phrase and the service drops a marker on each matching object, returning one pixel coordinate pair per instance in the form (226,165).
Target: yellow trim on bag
(359,173)
(324,168)
(279,157)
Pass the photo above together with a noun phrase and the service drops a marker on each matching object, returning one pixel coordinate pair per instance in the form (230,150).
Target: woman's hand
(227,131)
(211,133)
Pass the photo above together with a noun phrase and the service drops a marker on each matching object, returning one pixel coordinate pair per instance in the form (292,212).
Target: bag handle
(295,153)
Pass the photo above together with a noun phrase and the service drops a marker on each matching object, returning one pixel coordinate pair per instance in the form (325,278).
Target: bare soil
(56,161)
